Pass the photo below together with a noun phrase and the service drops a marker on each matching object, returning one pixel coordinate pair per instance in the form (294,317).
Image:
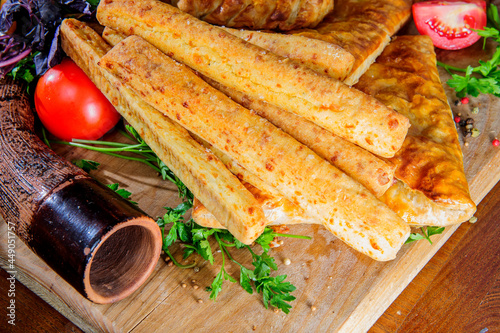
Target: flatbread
(361,27)
(432,188)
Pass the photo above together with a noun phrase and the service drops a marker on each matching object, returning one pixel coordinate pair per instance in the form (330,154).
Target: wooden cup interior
(123,260)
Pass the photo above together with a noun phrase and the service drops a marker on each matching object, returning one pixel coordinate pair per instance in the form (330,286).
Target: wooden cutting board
(338,289)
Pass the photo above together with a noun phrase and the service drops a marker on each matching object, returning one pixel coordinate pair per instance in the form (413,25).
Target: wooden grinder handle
(100,243)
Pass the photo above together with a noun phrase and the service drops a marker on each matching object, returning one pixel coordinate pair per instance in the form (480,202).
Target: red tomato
(70,106)
(450,23)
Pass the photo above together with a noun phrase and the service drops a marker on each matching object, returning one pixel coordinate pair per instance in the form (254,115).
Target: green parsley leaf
(276,292)
(25,69)
(493,17)
(434,231)
(414,237)
(216,285)
(246,278)
(487,78)
(265,239)
(427,232)
(86,165)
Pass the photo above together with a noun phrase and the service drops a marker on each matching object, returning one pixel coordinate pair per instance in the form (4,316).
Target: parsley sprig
(426,233)
(196,239)
(487,74)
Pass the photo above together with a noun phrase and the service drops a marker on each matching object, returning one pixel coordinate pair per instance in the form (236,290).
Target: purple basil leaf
(56,53)
(80,6)
(9,11)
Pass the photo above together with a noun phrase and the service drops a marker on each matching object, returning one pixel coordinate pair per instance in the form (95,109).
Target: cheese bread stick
(374,173)
(111,36)
(277,209)
(240,65)
(322,57)
(220,191)
(341,204)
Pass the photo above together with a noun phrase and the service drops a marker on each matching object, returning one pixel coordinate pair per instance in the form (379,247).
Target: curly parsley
(484,78)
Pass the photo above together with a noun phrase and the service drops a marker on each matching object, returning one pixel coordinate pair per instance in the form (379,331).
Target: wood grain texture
(458,290)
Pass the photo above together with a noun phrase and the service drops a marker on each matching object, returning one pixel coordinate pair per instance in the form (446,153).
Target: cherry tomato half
(70,106)
(450,23)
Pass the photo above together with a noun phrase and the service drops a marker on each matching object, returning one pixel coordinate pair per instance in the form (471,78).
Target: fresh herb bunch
(196,239)
(487,78)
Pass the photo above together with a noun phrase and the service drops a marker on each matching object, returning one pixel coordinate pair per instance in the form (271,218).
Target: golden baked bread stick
(208,179)
(341,204)
(322,57)
(240,65)
(374,173)
(111,36)
(277,208)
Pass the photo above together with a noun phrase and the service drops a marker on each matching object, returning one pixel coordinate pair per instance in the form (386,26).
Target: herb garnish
(487,78)
(427,232)
(195,239)
(86,165)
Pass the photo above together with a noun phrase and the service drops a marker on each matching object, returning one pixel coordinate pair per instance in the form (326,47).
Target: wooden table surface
(457,291)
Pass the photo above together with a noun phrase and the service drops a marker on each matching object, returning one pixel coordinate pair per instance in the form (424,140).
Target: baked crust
(364,40)
(430,163)
(258,14)
(389,15)
(322,57)
(371,171)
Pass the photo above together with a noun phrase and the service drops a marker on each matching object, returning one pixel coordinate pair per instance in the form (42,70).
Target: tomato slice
(450,24)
